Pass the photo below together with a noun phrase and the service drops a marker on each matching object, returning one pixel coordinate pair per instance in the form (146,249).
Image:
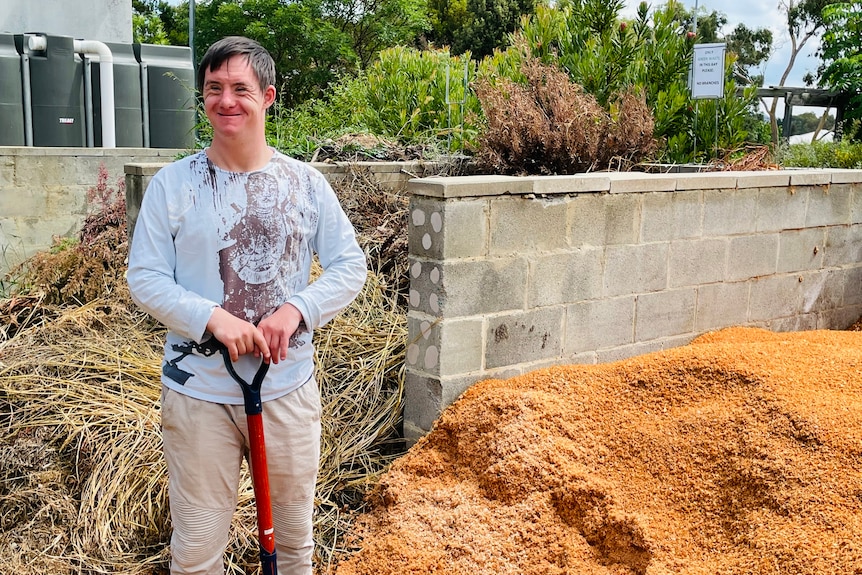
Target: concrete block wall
(512,274)
(43,192)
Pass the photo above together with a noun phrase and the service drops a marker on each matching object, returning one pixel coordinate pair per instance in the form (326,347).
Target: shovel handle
(250,391)
(257,454)
(260,481)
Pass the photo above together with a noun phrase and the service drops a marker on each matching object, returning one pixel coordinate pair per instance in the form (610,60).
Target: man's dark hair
(257,56)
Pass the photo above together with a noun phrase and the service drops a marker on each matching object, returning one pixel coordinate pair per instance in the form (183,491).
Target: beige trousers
(204,444)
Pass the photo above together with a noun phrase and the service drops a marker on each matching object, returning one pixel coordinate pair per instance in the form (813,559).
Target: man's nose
(227,98)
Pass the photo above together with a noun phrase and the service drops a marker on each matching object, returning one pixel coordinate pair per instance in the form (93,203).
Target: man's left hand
(278,328)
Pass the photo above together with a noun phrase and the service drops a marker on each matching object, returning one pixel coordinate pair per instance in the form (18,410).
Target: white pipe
(106,69)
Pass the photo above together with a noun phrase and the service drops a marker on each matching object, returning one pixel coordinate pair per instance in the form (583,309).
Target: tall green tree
(752,48)
(374,25)
(446,18)
(147,25)
(313,42)
(804,21)
(309,51)
(476,26)
(841,51)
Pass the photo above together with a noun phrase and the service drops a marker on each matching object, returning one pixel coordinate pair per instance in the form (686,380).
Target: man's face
(233,100)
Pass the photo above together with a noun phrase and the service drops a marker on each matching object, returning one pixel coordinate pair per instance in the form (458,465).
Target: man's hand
(278,328)
(238,336)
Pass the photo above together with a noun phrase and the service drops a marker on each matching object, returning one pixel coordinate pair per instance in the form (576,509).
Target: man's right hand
(238,336)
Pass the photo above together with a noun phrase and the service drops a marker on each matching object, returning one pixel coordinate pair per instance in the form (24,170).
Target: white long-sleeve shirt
(206,237)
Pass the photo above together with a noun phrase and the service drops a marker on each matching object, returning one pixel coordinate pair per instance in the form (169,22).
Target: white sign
(707,71)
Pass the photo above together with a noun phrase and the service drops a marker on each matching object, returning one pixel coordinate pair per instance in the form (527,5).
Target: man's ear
(269,96)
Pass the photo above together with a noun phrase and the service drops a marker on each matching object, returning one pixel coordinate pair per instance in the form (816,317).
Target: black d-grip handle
(250,391)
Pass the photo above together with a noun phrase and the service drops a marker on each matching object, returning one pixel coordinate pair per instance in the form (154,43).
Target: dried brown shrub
(551,126)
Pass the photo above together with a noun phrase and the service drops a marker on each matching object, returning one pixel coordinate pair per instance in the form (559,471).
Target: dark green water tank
(57,94)
(11,94)
(169,76)
(128,111)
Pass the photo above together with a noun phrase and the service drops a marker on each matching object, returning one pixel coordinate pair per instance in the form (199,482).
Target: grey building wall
(102,20)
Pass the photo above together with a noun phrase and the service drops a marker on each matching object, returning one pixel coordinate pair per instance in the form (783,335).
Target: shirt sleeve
(152,268)
(343,262)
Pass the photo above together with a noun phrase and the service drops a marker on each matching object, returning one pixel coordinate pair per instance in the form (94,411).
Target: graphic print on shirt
(261,245)
(256,249)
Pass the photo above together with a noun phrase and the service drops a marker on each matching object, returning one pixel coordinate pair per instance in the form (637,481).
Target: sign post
(706,79)
(707,72)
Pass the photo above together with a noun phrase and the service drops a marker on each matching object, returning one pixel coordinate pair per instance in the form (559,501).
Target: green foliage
(298,131)
(809,122)
(751,48)
(757,128)
(842,154)
(148,30)
(374,25)
(720,124)
(147,24)
(314,42)
(446,18)
(652,53)
(805,16)
(475,26)
(309,51)
(605,55)
(708,25)
(673,111)
(331,87)
(419,95)
(407,95)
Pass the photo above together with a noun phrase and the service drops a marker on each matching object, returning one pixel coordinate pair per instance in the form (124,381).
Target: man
(222,249)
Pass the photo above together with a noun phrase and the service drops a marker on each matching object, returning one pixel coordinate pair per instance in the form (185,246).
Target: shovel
(257,450)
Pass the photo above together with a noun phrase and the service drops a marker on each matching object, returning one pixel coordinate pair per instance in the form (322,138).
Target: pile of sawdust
(740,453)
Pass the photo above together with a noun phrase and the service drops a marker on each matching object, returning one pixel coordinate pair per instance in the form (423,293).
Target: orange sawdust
(740,453)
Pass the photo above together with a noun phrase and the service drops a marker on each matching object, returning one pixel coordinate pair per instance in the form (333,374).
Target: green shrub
(300,131)
(406,95)
(841,154)
(416,96)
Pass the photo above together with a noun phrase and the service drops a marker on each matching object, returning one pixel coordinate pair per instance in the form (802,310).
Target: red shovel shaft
(257,454)
(260,477)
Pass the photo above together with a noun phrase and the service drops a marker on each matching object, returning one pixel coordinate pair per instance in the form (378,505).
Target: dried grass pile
(83,485)
(737,454)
